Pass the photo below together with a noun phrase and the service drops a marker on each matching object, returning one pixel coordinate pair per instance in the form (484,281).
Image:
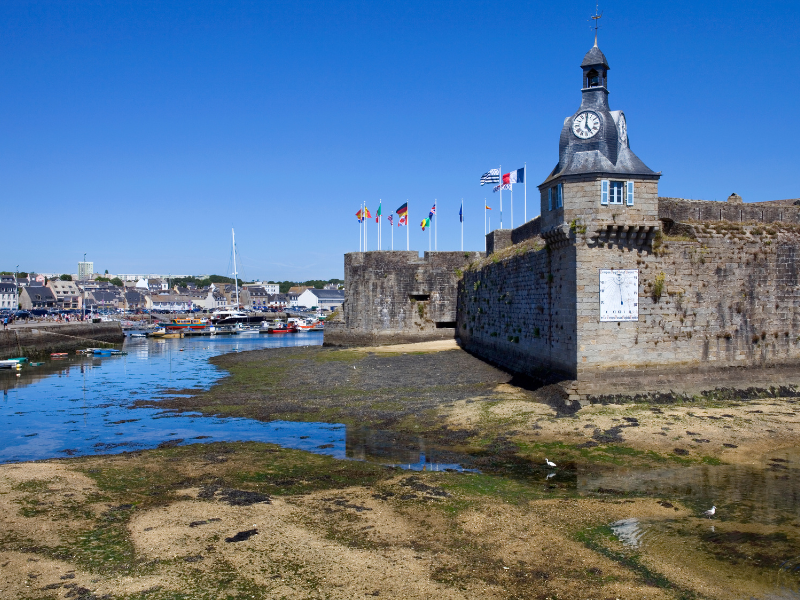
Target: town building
(68,295)
(134,300)
(271,288)
(9,298)
(324,299)
(37,296)
(104,299)
(85,270)
(169,302)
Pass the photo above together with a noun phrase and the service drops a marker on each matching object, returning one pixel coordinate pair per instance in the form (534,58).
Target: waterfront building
(328,299)
(37,296)
(68,295)
(9,299)
(169,302)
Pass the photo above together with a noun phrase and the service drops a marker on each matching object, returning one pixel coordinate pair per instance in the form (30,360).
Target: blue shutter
(604,192)
(630,193)
(549,198)
(560,196)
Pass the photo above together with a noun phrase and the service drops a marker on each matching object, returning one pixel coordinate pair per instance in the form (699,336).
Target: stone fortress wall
(714,295)
(396,297)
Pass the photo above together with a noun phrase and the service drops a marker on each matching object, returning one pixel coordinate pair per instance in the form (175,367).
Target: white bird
(549,463)
(550,475)
(710,512)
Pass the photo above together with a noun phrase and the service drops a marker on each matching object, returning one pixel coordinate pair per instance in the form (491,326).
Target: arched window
(593,78)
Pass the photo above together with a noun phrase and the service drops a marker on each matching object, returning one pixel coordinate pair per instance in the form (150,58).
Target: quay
(35,340)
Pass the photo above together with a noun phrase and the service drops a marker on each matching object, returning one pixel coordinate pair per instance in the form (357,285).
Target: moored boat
(58,355)
(10,364)
(183,324)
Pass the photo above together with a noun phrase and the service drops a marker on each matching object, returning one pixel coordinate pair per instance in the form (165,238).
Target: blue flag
(461,213)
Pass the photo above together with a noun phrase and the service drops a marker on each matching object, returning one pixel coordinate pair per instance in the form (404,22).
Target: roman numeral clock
(619,295)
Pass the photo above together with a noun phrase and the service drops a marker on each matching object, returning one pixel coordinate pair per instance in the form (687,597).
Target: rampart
(397,297)
(41,340)
(718,301)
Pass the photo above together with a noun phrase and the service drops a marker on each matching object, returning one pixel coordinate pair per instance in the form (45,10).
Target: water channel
(84,406)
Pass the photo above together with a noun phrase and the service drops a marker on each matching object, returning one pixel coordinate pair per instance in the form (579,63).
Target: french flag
(517,176)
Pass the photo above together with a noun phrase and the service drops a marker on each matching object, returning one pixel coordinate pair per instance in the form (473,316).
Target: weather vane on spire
(597,16)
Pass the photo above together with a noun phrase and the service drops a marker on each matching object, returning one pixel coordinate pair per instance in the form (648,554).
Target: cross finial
(596,17)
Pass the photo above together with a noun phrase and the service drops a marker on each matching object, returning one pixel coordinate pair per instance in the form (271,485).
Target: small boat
(278,326)
(10,364)
(36,364)
(20,360)
(157,332)
(138,334)
(58,355)
(108,352)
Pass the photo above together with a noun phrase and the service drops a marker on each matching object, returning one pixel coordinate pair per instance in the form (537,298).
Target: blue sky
(141,132)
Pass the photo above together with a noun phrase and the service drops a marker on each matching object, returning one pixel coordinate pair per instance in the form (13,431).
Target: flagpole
(366,210)
(392,228)
(511,185)
(380,227)
(526,191)
(408,247)
(462,224)
(501,196)
(484,224)
(360,245)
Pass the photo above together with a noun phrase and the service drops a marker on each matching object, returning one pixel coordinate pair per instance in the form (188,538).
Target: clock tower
(599,184)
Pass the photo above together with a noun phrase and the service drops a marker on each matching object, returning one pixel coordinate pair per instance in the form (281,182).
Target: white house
(313,298)
(170,302)
(8,294)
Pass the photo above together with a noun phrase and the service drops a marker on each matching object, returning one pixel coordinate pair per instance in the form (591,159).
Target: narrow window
(549,198)
(594,78)
(630,193)
(560,201)
(616,192)
(604,192)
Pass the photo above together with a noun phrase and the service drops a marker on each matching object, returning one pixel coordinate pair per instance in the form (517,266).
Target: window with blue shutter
(549,198)
(604,192)
(560,200)
(630,193)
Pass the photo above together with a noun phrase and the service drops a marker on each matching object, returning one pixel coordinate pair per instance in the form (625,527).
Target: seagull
(549,463)
(710,512)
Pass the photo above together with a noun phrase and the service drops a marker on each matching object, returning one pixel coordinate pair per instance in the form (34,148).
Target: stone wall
(682,210)
(397,297)
(726,310)
(41,340)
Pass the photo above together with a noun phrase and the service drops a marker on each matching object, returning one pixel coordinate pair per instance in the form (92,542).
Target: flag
(430,215)
(517,176)
(390,218)
(497,188)
(461,213)
(491,176)
(378,214)
(433,210)
(403,220)
(488,207)
(402,210)
(358,216)
(426,222)
(367,214)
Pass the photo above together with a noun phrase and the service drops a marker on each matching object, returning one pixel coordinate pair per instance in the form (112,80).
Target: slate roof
(328,294)
(594,57)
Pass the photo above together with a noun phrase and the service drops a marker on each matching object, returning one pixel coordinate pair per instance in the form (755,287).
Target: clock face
(622,127)
(585,125)
(619,295)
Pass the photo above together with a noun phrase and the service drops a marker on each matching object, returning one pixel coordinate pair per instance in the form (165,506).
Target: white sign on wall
(619,295)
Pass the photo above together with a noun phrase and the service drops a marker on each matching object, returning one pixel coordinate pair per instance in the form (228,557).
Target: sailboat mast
(235,278)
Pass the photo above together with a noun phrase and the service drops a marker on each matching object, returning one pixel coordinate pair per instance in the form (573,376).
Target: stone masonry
(397,297)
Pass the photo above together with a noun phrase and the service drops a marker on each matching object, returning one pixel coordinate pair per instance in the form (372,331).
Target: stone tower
(599,183)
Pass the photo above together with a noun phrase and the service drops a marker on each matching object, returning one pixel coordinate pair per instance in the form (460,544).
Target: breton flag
(491,176)
(517,176)
(426,222)
(378,214)
(502,186)
(390,218)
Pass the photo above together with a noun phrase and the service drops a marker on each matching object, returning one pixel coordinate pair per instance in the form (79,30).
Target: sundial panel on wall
(619,295)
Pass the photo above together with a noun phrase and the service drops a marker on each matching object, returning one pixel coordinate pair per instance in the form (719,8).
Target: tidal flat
(619,517)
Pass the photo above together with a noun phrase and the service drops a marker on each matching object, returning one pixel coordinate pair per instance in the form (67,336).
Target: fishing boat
(278,326)
(310,325)
(157,332)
